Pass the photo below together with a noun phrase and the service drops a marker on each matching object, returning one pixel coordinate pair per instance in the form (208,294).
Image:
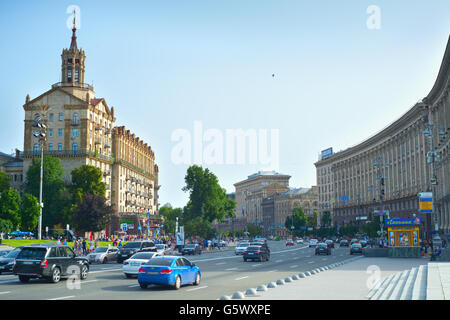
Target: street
(223,273)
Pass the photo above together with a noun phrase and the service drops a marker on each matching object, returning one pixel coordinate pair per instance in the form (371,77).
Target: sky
(316,74)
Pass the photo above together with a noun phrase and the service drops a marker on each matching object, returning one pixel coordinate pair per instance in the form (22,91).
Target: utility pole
(379,164)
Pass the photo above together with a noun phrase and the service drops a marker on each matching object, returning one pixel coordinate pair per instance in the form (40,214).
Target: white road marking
(294,266)
(231,269)
(134,285)
(323,259)
(83,281)
(311,262)
(5,292)
(241,278)
(279,261)
(105,270)
(273,270)
(60,298)
(8,281)
(256,265)
(197,288)
(220,263)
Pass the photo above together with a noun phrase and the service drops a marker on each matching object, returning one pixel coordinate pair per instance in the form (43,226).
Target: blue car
(169,270)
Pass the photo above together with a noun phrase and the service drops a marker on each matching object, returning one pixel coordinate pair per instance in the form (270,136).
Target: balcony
(78,85)
(75,122)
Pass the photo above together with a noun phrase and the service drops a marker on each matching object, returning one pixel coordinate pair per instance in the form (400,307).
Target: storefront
(403,232)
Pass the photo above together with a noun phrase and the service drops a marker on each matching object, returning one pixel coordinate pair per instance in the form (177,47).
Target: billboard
(326,153)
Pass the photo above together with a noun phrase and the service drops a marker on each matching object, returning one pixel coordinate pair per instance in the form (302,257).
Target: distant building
(12,165)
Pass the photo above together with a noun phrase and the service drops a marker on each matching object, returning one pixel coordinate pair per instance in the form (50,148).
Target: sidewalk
(346,282)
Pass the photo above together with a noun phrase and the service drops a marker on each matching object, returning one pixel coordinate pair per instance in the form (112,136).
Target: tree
(5,227)
(29,212)
(207,200)
(53,189)
(10,207)
(298,220)
(325,219)
(170,218)
(253,230)
(92,214)
(87,180)
(4,181)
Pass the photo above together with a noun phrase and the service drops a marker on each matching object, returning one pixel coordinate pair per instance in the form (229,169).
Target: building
(394,164)
(81,131)
(12,165)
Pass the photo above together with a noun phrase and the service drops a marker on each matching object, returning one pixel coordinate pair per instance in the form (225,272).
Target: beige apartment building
(396,160)
(80,131)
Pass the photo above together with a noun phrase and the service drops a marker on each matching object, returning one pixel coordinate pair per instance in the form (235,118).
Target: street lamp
(41,134)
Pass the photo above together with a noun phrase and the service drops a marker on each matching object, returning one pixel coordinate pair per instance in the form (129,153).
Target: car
(322,248)
(222,243)
(257,252)
(356,248)
(49,261)
(103,255)
(162,248)
(313,243)
(329,243)
(4,252)
(7,261)
(289,242)
(133,247)
(130,267)
(193,248)
(343,243)
(241,247)
(354,240)
(364,243)
(299,241)
(169,270)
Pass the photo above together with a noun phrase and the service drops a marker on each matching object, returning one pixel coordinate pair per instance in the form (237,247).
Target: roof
(265,173)
(13,164)
(297,191)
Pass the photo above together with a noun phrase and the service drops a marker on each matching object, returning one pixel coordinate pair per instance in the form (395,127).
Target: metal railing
(69,84)
(67,153)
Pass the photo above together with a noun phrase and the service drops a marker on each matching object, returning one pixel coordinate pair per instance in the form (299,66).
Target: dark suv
(49,261)
(132,247)
(193,248)
(257,252)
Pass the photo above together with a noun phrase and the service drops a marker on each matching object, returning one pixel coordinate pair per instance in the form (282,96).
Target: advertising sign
(402,222)
(425,202)
(326,153)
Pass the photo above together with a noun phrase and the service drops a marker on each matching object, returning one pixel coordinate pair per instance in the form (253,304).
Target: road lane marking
(231,269)
(197,288)
(241,278)
(105,270)
(294,266)
(323,259)
(311,262)
(5,292)
(134,285)
(84,281)
(279,261)
(256,265)
(220,263)
(273,270)
(60,298)
(8,281)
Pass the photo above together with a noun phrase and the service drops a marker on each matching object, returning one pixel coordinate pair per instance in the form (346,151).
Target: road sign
(123,226)
(425,202)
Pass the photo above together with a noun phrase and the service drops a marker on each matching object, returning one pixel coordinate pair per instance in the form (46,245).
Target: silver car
(163,249)
(103,255)
(241,247)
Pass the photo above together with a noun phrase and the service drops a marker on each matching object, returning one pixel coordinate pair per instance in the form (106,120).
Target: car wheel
(84,272)
(245,259)
(197,279)
(177,284)
(105,260)
(56,275)
(24,279)
(143,285)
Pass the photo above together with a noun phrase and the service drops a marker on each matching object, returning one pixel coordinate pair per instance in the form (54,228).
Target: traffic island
(376,252)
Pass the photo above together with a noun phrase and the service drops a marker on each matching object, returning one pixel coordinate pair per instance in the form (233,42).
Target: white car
(241,247)
(130,267)
(299,240)
(162,249)
(313,243)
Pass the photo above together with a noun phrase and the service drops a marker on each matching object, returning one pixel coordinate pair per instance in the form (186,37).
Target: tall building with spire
(80,128)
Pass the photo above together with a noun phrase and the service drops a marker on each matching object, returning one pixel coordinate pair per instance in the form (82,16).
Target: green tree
(10,206)
(170,217)
(325,220)
(4,181)
(29,212)
(87,180)
(207,201)
(253,230)
(92,214)
(53,190)
(5,226)
(297,219)
(371,228)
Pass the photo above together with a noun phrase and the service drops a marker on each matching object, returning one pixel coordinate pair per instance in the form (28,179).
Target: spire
(73,44)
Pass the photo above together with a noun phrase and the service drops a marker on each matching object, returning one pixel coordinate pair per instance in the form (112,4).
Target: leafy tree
(29,212)
(86,180)
(371,228)
(253,230)
(4,181)
(170,217)
(53,189)
(92,214)
(326,219)
(5,226)
(298,220)
(199,227)
(10,207)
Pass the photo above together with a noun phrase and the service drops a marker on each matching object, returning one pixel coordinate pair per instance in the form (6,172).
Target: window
(69,74)
(77,78)
(59,146)
(60,116)
(76,118)
(50,117)
(50,132)
(36,149)
(60,132)
(74,132)
(75,148)
(50,147)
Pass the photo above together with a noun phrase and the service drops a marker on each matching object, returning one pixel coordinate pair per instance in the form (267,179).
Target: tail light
(166,271)
(44,264)
(141,270)
(125,263)
(245,252)
(258,252)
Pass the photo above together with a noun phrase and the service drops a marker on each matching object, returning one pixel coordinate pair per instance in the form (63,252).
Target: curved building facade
(388,170)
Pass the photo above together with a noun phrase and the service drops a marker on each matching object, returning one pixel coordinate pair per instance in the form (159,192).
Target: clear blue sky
(165,64)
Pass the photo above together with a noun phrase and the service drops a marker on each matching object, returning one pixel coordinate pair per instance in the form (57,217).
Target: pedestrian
(96,243)
(91,246)
(84,247)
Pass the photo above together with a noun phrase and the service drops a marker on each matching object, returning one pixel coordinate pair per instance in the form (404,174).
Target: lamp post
(41,134)
(379,164)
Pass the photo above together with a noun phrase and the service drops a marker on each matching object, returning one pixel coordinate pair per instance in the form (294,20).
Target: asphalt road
(223,273)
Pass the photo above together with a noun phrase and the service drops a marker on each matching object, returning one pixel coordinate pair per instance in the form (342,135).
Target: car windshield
(243,244)
(190,246)
(322,245)
(253,248)
(13,254)
(100,250)
(161,262)
(32,253)
(313,240)
(356,245)
(143,256)
(132,245)
(160,246)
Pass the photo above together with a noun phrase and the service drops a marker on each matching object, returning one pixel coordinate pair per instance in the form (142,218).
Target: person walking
(84,247)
